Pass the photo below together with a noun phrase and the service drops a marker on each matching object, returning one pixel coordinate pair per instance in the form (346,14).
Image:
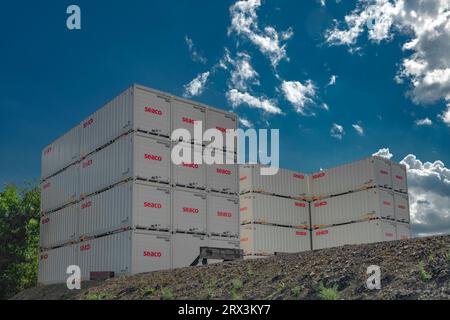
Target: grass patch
(150,291)
(236,286)
(328,293)
(296,291)
(167,294)
(209,287)
(423,274)
(97,296)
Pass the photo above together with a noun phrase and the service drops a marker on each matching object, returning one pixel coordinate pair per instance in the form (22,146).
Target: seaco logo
(223,171)
(153,205)
(318,175)
(46,186)
(153,110)
(153,254)
(190,165)
(44,257)
(298,176)
(243,209)
(87,123)
(402,207)
(224,214)
(386,203)
(86,205)
(224,130)
(244,239)
(404,237)
(48,150)
(320,204)
(384,172)
(399,177)
(190,210)
(300,204)
(152,157)
(243,178)
(321,233)
(301,233)
(389,234)
(85,247)
(45,220)
(188,120)
(88,163)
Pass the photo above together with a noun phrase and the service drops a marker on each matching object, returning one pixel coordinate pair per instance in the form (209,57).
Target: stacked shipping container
(112,200)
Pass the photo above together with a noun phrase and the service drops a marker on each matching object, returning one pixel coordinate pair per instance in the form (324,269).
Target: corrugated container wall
(284,183)
(60,190)
(53,264)
(354,233)
(258,239)
(61,153)
(401,202)
(185,114)
(224,177)
(189,211)
(261,208)
(403,231)
(352,207)
(399,178)
(357,175)
(190,172)
(223,215)
(221,121)
(59,227)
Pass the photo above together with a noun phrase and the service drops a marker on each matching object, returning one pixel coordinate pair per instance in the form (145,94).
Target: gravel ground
(411,269)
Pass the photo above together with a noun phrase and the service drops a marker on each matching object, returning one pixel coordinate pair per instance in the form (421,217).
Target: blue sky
(51,78)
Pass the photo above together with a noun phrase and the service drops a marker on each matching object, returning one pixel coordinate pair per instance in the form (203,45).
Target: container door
(401,207)
(387,204)
(247,239)
(152,159)
(151,207)
(186,249)
(399,178)
(151,252)
(403,231)
(223,216)
(189,211)
(185,114)
(152,112)
(382,168)
(53,264)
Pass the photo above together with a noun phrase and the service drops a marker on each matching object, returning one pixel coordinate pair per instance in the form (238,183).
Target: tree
(19,238)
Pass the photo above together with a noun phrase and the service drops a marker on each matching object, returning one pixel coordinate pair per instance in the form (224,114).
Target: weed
(167,294)
(296,291)
(328,293)
(235,289)
(424,275)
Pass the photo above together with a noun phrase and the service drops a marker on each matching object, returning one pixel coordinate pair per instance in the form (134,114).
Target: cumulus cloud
(298,94)
(423,122)
(197,85)
(243,72)
(337,131)
(245,122)
(237,98)
(332,80)
(426,25)
(445,116)
(195,55)
(359,129)
(244,23)
(383,153)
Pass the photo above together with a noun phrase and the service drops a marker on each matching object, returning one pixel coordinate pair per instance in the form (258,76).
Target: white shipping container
(186,249)
(266,209)
(222,121)
(60,190)
(138,108)
(371,172)
(61,153)
(352,207)
(190,173)
(185,114)
(134,155)
(259,239)
(128,252)
(401,202)
(399,177)
(59,227)
(53,264)
(354,233)
(403,231)
(223,215)
(189,211)
(132,204)
(223,178)
(284,183)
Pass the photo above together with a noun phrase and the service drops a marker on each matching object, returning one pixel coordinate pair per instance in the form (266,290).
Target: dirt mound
(412,269)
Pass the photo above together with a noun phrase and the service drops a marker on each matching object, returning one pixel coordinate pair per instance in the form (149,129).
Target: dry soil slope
(413,269)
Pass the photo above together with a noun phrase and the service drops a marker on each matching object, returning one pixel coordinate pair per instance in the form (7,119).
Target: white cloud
(425,23)
(325,106)
(337,131)
(196,86)
(332,81)
(246,123)
(445,116)
(383,153)
(359,129)
(243,73)
(322,3)
(195,55)
(237,98)
(244,22)
(299,95)
(424,122)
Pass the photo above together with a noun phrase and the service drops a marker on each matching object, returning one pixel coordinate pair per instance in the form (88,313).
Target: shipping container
(61,153)
(128,252)
(60,190)
(284,183)
(134,155)
(222,243)
(53,264)
(259,239)
(186,249)
(401,202)
(138,108)
(369,231)
(371,172)
(222,121)
(355,206)
(189,211)
(135,204)
(59,227)
(399,177)
(191,173)
(403,231)
(266,209)
(185,114)
(223,175)
(222,215)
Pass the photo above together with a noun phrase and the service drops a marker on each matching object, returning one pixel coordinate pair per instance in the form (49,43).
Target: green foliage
(19,236)
(97,296)
(236,286)
(167,294)
(150,291)
(296,291)
(328,293)
(424,275)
